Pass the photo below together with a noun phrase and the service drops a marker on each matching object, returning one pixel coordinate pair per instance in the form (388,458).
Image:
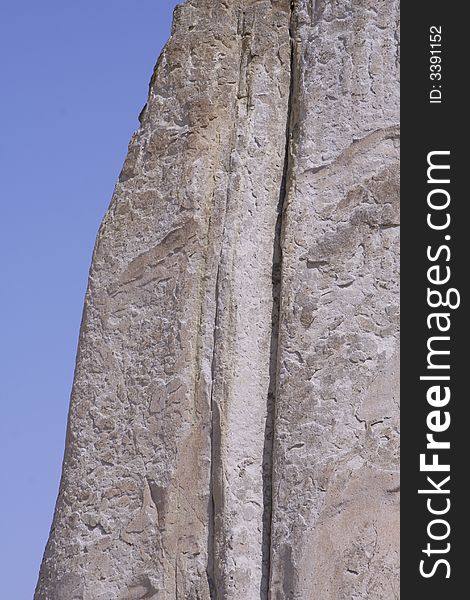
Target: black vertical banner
(434,292)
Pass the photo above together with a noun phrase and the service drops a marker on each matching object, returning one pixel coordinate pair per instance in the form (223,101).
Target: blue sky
(74,77)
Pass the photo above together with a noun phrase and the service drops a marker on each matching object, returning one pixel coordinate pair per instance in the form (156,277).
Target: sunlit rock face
(233,426)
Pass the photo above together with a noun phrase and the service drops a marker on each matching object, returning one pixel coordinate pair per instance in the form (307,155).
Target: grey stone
(335,530)
(233,423)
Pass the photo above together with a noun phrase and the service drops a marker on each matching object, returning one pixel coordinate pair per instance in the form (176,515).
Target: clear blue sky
(73,79)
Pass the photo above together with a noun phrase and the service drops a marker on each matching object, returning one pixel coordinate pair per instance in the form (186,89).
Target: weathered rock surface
(233,423)
(335,504)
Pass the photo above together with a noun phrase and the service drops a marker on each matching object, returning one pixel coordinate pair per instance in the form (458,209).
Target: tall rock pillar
(233,423)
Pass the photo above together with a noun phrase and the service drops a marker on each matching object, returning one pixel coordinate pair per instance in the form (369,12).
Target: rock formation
(233,426)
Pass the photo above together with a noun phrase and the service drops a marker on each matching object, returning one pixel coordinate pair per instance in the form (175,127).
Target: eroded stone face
(335,507)
(233,423)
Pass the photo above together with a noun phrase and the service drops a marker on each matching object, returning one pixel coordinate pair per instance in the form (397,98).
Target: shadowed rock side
(221,447)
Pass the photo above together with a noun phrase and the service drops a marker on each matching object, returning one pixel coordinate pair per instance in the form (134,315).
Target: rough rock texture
(335,468)
(233,423)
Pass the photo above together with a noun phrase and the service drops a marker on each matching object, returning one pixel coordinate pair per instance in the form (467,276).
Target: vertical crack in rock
(275,320)
(246,313)
(338,330)
(214,440)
